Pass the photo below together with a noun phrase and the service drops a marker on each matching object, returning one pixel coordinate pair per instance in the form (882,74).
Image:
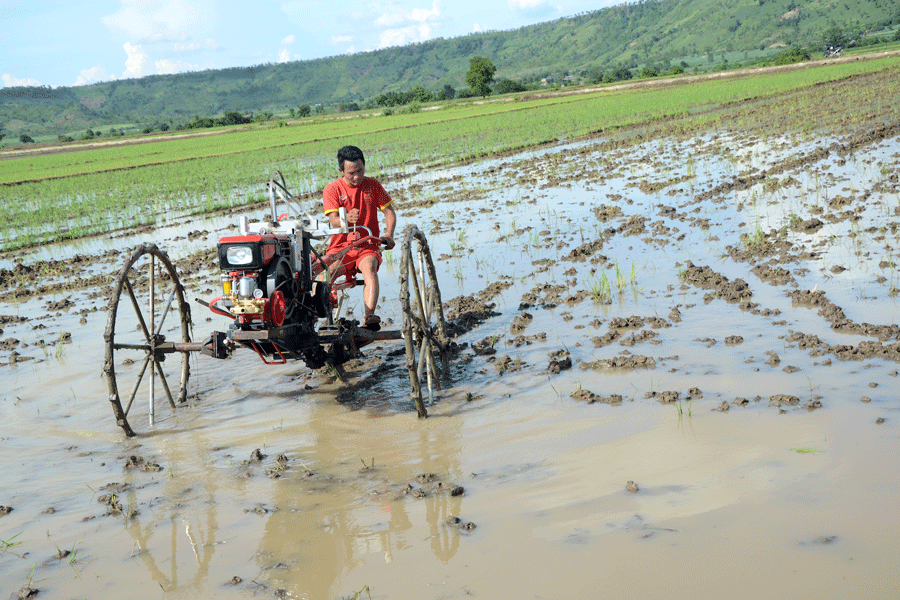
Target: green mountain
(698,34)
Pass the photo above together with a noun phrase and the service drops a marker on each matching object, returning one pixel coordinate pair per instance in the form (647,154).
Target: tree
(834,37)
(480,75)
(790,56)
(448,93)
(508,86)
(304,110)
(26,139)
(594,75)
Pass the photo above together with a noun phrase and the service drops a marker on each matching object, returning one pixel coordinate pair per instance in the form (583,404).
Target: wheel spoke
(162,377)
(137,383)
(137,310)
(165,312)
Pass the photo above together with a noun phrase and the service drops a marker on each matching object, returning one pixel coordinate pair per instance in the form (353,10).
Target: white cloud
(286,56)
(525,4)
(146,21)
(421,26)
(341,39)
(287,41)
(189,47)
(185,48)
(10,81)
(390,20)
(405,35)
(92,75)
(350,50)
(422,15)
(165,66)
(476,28)
(136,63)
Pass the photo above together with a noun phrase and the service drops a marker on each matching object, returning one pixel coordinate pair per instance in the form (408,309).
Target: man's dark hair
(351,153)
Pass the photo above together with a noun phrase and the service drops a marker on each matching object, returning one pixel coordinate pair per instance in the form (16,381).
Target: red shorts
(353,257)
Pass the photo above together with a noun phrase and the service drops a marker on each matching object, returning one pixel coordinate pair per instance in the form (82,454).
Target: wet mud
(669,344)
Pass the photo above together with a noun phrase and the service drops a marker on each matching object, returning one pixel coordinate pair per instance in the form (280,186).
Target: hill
(699,35)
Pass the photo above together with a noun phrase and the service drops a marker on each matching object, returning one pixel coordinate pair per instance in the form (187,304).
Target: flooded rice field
(677,377)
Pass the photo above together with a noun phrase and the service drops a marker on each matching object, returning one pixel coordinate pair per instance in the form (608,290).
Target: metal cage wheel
(424,327)
(139,335)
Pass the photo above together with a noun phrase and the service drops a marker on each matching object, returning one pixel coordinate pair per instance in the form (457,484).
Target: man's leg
(368,268)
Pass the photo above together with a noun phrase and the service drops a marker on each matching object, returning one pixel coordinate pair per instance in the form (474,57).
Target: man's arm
(390,222)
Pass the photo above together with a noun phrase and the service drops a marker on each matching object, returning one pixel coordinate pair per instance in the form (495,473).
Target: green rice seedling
(620,279)
(9,543)
(53,192)
(600,289)
(458,274)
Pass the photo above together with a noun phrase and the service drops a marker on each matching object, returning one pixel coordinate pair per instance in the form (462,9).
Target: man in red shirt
(362,197)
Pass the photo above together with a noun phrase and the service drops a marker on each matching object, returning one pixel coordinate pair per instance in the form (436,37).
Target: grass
(9,543)
(600,289)
(93,189)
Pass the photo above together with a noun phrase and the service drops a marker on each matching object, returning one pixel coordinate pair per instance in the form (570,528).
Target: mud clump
(256,457)
(137,463)
(705,278)
(779,399)
(506,364)
(630,361)
(592,398)
(773,275)
(559,361)
(5,510)
(527,340)
(664,397)
(464,313)
(431,484)
(639,337)
(834,314)
(520,323)
(485,347)
(460,524)
(809,225)
(864,350)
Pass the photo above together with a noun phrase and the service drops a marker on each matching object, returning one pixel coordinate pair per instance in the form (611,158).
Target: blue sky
(78,42)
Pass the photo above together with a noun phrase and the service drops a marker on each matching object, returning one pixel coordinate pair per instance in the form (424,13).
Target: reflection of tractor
(276,292)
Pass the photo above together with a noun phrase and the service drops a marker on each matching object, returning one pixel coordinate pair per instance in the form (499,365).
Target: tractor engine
(268,284)
(259,278)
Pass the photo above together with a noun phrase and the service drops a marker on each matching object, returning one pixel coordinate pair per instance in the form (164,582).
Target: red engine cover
(266,241)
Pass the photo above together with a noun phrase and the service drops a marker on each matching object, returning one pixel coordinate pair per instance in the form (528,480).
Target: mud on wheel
(139,333)
(424,327)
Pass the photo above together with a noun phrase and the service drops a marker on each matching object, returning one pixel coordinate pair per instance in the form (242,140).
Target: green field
(88,190)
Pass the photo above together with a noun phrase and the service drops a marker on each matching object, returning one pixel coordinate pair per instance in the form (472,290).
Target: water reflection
(377,502)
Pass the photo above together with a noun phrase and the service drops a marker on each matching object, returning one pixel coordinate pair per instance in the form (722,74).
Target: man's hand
(353,216)
(387,241)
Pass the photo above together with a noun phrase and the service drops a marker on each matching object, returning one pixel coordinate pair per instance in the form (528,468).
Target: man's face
(353,172)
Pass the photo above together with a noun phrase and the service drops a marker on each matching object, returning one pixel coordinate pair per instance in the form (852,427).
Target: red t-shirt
(368,197)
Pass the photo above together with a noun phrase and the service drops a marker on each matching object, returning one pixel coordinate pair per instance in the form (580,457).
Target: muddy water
(763,464)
